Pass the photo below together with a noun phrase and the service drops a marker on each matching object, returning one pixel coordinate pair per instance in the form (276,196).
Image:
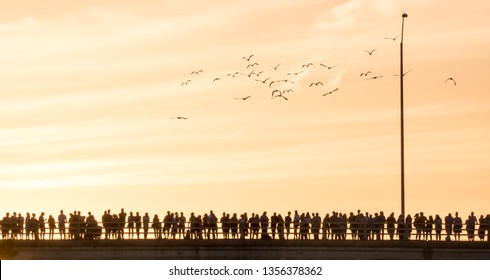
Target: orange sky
(88,89)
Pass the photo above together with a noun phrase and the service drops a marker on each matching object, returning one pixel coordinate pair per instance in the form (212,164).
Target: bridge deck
(241,249)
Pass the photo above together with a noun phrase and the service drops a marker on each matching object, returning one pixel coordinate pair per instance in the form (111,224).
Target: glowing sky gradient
(88,89)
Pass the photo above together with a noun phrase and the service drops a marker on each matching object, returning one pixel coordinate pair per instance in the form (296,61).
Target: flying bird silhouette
(185,83)
(252,65)
(251,73)
(179,118)
(294,73)
(375,77)
(216,79)
(263,81)
(196,72)
(371,52)
(258,74)
(330,92)
(275,68)
(234,74)
(279,94)
(450,79)
(393,38)
(274,91)
(404,73)
(328,67)
(316,84)
(365,74)
(247,58)
(243,98)
(307,65)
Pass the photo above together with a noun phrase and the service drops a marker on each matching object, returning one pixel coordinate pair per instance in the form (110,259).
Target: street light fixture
(401,122)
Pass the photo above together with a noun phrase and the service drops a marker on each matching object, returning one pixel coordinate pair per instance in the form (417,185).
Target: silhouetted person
(52,227)
(137,224)
(316,222)
(247,224)
(418,227)
(296,221)
(198,222)
(115,227)
(370,226)
(34,226)
(61,224)
(28,226)
(482,228)
(157,227)
(122,223)
(234,226)
(71,225)
(381,223)
(361,223)
(131,225)
(255,226)
(343,225)
(408,227)
(457,226)
(378,223)
(146,225)
(304,227)
(438,227)
(288,220)
(225,225)
(326,227)
(42,226)
(20,225)
(182,222)
(106,222)
(242,226)
(80,220)
(280,227)
(352,225)
(175,224)
(213,224)
(166,225)
(6,226)
(400,227)
(273,225)
(448,225)
(487,218)
(423,222)
(264,224)
(428,228)
(194,226)
(13,226)
(390,225)
(470,226)
(93,230)
(308,220)
(205,226)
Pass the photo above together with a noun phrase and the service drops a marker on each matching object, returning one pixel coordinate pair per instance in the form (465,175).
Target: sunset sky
(89,91)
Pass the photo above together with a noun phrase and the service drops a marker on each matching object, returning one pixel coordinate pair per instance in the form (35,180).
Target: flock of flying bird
(276,86)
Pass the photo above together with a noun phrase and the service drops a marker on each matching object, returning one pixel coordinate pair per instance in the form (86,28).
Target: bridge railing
(162,230)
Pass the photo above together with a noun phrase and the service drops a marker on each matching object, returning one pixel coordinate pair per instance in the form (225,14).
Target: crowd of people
(304,226)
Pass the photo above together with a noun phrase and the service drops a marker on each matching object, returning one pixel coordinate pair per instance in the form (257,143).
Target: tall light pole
(401,121)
